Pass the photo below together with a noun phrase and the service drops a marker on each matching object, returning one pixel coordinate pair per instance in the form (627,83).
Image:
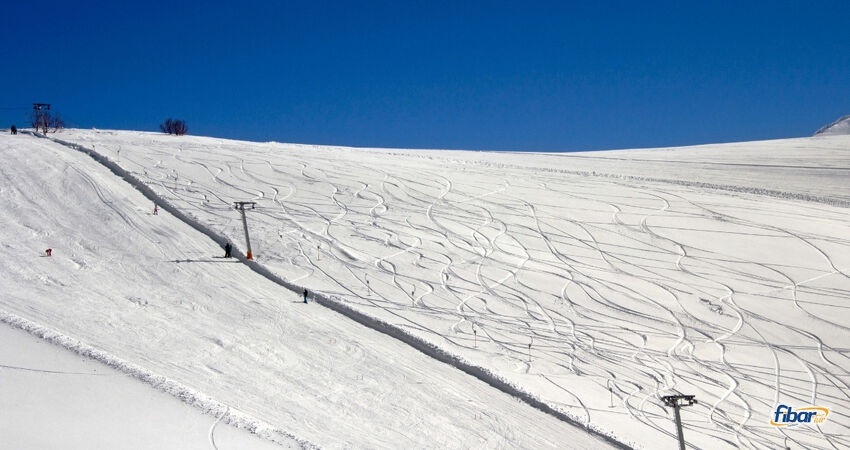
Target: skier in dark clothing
(14,130)
(305,295)
(227,249)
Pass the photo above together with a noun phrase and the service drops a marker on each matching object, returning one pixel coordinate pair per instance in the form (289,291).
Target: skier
(155,209)
(368,287)
(14,130)
(305,295)
(49,252)
(227,249)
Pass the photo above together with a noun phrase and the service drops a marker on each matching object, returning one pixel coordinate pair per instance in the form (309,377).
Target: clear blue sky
(491,75)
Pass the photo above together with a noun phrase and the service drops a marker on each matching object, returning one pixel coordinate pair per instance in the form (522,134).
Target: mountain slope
(720,271)
(645,272)
(151,290)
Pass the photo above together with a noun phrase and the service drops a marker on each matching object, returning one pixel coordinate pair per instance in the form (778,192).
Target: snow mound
(840,126)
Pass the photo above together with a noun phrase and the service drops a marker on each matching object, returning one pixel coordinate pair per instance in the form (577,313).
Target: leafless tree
(167,126)
(45,121)
(38,120)
(56,122)
(174,126)
(180,127)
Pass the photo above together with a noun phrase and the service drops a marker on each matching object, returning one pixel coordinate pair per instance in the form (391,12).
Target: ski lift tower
(38,115)
(241,207)
(676,402)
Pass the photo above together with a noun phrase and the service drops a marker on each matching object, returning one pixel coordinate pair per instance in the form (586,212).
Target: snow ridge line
(183,393)
(825,128)
(832,201)
(729,188)
(338,305)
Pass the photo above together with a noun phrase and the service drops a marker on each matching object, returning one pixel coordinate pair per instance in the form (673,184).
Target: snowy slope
(839,127)
(715,270)
(53,398)
(151,296)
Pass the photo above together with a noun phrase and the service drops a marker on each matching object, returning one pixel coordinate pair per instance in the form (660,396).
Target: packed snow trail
(152,290)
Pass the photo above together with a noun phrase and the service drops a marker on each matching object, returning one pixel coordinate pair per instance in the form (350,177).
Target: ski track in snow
(618,282)
(211,434)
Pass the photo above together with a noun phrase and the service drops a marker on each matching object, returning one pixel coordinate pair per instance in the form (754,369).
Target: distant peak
(840,126)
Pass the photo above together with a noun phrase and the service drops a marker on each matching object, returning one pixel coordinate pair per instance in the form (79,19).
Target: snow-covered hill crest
(839,127)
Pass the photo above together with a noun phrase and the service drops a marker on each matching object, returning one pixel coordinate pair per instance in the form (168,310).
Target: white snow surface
(151,296)
(53,398)
(580,280)
(839,127)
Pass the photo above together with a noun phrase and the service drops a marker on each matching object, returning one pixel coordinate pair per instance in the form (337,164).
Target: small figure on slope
(227,250)
(14,129)
(305,295)
(368,287)
(155,209)
(49,252)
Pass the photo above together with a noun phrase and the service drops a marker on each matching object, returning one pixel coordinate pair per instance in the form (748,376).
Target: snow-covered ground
(152,297)
(839,127)
(52,398)
(594,282)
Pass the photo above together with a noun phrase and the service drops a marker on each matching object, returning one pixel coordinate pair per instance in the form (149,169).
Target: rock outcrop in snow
(840,126)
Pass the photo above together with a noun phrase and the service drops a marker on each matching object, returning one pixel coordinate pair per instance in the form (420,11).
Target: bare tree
(167,126)
(56,122)
(174,126)
(38,120)
(45,121)
(180,127)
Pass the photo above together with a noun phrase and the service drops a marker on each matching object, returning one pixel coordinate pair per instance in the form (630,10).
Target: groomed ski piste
(56,398)
(571,290)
